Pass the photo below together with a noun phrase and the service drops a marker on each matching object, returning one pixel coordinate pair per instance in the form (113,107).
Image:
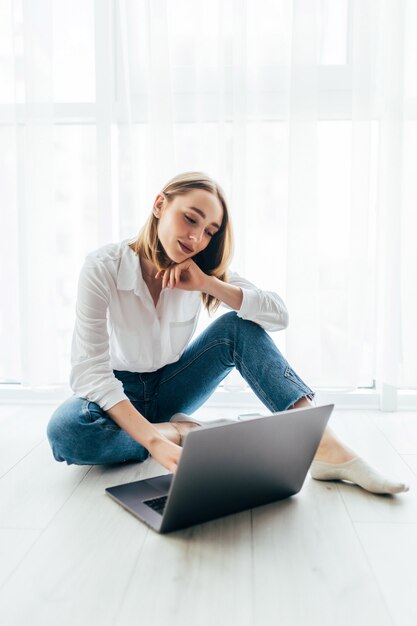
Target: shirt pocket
(180,334)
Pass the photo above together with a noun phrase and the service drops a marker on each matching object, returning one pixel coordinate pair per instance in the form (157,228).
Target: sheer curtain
(305,112)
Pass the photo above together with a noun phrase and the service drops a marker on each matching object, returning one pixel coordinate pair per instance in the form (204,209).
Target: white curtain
(305,112)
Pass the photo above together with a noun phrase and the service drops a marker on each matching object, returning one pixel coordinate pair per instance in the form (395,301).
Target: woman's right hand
(166,453)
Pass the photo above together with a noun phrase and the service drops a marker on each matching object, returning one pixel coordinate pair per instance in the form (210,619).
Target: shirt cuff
(249,305)
(109,400)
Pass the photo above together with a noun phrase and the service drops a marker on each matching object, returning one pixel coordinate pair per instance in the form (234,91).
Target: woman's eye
(191,221)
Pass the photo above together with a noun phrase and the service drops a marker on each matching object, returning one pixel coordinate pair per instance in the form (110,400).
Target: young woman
(133,366)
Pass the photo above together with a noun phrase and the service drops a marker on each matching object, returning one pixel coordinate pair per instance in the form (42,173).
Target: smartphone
(249,416)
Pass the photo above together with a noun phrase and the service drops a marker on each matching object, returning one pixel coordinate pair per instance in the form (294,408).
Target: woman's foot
(359,472)
(184,423)
(335,461)
(183,428)
(175,432)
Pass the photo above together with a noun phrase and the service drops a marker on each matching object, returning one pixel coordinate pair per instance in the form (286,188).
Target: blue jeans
(81,433)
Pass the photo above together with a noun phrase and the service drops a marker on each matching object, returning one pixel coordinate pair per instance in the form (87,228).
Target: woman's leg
(80,433)
(335,461)
(331,449)
(226,343)
(231,341)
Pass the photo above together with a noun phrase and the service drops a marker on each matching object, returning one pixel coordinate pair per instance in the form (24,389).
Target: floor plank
(14,545)
(20,432)
(86,557)
(392,553)
(8,410)
(411,460)
(37,487)
(361,432)
(400,429)
(202,575)
(331,555)
(309,567)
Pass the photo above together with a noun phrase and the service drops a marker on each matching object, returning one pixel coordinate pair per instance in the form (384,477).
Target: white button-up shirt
(118,327)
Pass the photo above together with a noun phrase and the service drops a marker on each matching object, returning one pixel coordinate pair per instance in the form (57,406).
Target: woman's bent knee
(63,429)
(77,435)
(232,326)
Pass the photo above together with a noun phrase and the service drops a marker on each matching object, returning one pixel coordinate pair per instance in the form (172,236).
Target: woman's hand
(186,275)
(166,453)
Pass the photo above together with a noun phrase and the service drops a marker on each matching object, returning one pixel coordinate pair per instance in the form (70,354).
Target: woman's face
(187,224)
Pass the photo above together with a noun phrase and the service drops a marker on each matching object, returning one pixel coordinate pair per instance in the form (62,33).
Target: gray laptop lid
(226,469)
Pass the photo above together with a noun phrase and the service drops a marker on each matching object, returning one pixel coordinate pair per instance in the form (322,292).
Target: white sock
(359,472)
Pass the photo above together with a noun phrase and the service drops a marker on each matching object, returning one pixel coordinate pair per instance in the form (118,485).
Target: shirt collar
(129,275)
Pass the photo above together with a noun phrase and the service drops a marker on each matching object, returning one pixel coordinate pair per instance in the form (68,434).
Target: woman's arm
(265,308)
(134,423)
(229,294)
(92,377)
(137,426)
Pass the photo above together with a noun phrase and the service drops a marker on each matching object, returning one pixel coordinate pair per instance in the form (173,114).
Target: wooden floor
(331,555)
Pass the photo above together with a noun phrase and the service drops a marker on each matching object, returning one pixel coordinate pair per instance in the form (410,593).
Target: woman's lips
(184,248)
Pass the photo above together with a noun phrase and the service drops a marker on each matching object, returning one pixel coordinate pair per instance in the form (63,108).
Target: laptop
(229,468)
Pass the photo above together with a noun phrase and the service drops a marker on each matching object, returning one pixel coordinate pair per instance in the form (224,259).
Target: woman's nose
(196,236)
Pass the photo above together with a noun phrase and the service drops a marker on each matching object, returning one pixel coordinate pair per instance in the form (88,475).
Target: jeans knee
(53,433)
(62,431)
(232,323)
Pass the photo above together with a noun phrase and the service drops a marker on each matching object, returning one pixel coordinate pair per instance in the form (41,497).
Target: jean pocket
(132,385)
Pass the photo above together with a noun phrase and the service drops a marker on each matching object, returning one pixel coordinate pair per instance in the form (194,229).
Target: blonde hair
(215,258)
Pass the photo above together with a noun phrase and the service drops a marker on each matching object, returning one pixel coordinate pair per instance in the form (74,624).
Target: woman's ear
(158,204)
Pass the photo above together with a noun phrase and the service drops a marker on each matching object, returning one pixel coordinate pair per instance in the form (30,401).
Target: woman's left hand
(186,275)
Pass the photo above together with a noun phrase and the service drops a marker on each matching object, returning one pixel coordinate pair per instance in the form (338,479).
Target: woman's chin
(177,256)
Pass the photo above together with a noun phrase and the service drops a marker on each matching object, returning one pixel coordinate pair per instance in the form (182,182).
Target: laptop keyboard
(157,504)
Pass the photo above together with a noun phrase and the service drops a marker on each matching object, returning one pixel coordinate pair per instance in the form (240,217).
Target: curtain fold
(390,95)
(304,336)
(305,112)
(37,223)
